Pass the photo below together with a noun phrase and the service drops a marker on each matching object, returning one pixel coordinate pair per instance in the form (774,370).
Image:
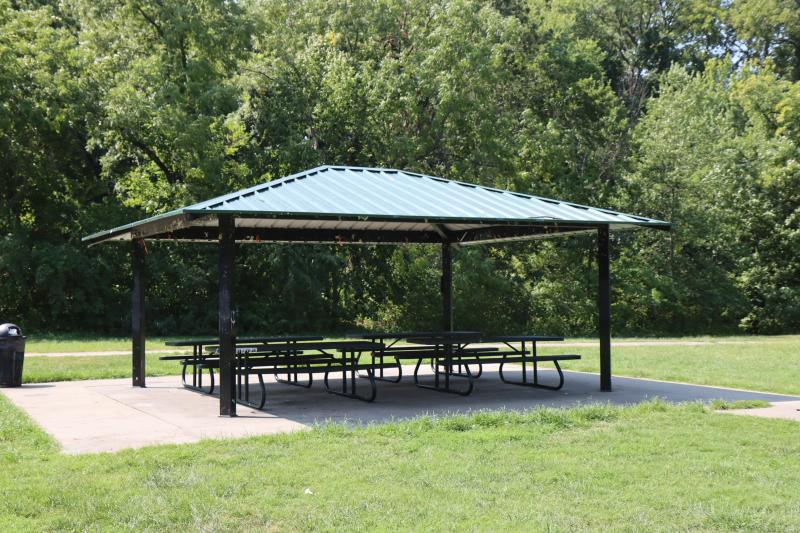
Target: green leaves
(687,111)
(711,153)
(162,73)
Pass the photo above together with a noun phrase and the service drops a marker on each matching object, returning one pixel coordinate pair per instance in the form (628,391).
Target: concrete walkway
(788,410)
(109,415)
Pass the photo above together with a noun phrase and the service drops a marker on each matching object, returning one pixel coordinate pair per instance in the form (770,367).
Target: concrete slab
(788,410)
(109,415)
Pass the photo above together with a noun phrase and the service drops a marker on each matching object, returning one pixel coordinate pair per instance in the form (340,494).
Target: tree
(712,154)
(767,31)
(160,72)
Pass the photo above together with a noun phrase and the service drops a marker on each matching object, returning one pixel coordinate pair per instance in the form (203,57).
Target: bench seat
(493,358)
(316,369)
(419,353)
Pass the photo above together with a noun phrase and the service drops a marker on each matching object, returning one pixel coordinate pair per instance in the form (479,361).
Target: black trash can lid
(10,330)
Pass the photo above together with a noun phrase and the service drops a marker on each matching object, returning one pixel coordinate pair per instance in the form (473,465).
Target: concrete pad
(109,415)
(788,410)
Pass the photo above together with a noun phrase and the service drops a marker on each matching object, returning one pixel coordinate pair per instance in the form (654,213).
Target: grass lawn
(49,343)
(772,365)
(652,467)
(85,343)
(648,467)
(46,369)
(759,363)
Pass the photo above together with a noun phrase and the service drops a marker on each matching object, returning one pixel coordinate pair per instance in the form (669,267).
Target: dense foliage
(685,110)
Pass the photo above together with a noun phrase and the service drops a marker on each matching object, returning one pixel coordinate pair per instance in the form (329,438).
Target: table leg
(238,360)
(344,373)
(195,361)
(353,363)
(246,380)
(449,366)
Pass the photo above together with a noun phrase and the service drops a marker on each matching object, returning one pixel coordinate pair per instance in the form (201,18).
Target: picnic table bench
(525,356)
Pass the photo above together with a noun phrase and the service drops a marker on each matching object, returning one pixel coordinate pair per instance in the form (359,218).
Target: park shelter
(353,205)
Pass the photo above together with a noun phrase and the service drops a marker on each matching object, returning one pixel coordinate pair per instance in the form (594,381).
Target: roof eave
(179,219)
(158,224)
(433,220)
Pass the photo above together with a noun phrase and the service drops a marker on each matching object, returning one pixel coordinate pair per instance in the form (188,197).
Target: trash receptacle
(12,355)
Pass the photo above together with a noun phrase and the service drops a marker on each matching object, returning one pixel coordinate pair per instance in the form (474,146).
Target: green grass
(651,467)
(725,405)
(71,368)
(770,365)
(53,343)
(49,343)
(648,467)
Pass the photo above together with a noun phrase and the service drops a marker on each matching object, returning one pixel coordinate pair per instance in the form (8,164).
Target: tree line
(683,110)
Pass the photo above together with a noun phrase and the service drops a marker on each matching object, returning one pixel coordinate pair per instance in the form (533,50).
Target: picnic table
(324,357)
(452,353)
(390,339)
(446,351)
(524,356)
(199,358)
(290,355)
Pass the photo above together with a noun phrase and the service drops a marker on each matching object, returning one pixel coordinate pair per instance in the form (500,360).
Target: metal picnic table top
(354,345)
(415,334)
(466,338)
(390,334)
(208,341)
(523,338)
(342,346)
(445,337)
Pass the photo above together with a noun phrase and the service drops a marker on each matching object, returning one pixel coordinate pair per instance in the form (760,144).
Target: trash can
(12,354)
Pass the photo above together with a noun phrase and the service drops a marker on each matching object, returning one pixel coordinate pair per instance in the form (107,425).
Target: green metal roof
(361,205)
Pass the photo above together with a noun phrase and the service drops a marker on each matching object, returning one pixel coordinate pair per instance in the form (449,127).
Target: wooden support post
(447,286)
(604,308)
(137,312)
(227,255)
